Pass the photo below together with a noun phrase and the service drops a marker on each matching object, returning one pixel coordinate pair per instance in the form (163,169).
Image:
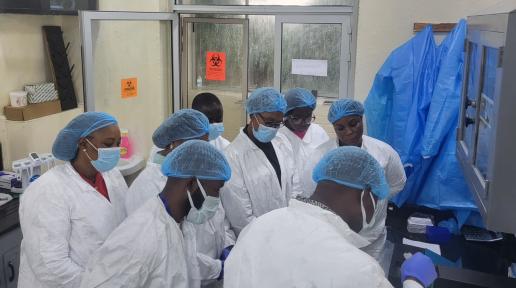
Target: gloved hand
(223,256)
(221,275)
(419,267)
(225,253)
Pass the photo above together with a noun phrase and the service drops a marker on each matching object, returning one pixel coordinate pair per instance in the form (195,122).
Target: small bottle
(126,150)
(199,81)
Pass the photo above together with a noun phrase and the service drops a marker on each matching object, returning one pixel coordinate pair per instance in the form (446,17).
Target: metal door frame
(184,53)
(86,23)
(345,88)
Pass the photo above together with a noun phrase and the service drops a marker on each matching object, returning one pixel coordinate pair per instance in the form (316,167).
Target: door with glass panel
(313,52)
(128,71)
(214,59)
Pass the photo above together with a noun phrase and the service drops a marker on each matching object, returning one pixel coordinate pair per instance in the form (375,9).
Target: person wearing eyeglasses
(303,134)
(346,115)
(262,163)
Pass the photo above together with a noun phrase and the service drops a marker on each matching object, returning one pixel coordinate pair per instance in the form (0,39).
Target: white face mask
(366,226)
(208,209)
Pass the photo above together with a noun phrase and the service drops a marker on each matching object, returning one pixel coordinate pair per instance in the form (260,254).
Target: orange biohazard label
(216,66)
(129,87)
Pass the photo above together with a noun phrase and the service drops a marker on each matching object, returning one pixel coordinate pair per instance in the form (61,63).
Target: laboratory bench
(10,240)
(484,264)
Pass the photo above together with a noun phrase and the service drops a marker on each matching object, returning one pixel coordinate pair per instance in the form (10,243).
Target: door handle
(11,268)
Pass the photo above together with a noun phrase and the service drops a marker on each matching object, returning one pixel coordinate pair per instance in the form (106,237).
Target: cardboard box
(32,111)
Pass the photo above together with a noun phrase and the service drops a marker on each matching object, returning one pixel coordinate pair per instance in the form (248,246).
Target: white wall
(386,24)
(127,49)
(23,58)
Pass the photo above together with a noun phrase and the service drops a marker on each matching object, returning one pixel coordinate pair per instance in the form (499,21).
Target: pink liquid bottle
(126,149)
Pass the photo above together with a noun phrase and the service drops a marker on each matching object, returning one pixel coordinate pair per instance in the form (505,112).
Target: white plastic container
(18,98)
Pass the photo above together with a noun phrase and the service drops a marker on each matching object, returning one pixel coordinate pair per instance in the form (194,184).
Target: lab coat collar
(308,136)
(83,185)
(332,219)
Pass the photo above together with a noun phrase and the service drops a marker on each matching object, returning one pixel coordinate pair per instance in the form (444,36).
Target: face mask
(216,129)
(366,226)
(158,159)
(107,158)
(265,134)
(208,209)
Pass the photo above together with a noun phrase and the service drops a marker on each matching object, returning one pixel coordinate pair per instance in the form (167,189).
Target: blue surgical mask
(216,129)
(265,134)
(158,159)
(107,158)
(209,207)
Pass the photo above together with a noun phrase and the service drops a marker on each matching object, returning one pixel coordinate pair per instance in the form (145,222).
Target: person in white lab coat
(68,212)
(303,134)
(147,249)
(209,104)
(314,241)
(264,176)
(346,115)
(204,241)
(184,125)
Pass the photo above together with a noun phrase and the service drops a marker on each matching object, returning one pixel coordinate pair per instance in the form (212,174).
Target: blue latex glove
(221,275)
(223,256)
(421,268)
(225,253)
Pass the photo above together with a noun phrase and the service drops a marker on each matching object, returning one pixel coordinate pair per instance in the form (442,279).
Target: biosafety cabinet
(486,145)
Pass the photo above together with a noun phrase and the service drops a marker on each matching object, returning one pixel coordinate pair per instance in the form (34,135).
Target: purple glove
(223,256)
(420,267)
(225,253)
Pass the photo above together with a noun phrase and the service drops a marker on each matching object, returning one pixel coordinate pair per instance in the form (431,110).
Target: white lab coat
(220,143)
(149,183)
(315,136)
(254,189)
(64,220)
(203,243)
(304,148)
(145,251)
(301,246)
(394,172)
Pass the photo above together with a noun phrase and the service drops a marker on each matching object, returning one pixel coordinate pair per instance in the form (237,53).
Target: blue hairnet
(196,158)
(352,167)
(299,98)
(67,141)
(183,125)
(265,100)
(345,107)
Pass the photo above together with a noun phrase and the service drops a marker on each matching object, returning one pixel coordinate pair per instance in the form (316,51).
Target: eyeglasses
(299,121)
(269,123)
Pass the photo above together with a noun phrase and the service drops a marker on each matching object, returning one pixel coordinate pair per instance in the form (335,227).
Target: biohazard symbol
(216,66)
(215,60)
(129,87)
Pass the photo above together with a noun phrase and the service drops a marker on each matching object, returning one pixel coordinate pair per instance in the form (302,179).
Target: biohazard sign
(216,66)
(129,87)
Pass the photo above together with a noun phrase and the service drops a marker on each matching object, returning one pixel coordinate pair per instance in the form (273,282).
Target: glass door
(214,55)
(313,52)
(128,73)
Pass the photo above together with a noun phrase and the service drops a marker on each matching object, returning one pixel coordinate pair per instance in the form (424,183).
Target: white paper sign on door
(310,67)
